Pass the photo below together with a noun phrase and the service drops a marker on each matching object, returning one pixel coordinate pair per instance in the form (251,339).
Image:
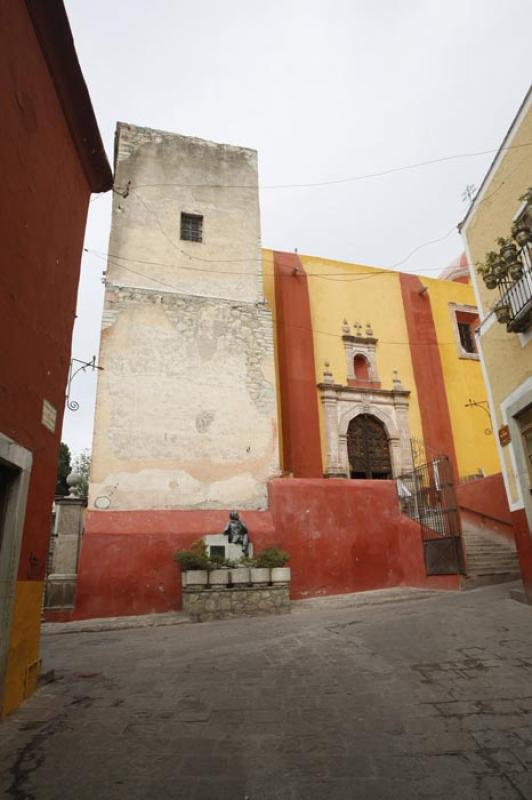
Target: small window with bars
(467,339)
(465,321)
(191,227)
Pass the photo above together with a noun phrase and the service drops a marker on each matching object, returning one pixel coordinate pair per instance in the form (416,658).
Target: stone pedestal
(231,551)
(62,577)
(246,601)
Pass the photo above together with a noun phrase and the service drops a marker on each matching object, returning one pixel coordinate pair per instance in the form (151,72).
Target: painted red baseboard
(342,536)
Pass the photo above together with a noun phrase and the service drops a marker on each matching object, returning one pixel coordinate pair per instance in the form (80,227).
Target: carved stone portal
(388,408)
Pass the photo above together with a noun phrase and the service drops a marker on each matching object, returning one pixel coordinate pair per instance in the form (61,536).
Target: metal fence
(427,495)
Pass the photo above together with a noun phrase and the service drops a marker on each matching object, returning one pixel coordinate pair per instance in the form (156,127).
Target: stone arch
(384,417)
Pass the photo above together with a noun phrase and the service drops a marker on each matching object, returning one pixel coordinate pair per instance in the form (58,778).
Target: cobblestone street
(427,698)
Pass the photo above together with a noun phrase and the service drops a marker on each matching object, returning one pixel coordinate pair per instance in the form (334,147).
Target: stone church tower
(186,405)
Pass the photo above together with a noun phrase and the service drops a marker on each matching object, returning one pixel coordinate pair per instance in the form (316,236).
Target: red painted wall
(342,536)
(523,541)
(297,374)
(484,504)
(43,207)
(428,373)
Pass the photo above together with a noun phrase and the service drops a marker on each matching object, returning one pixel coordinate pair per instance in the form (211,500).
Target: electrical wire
(375,272)
(337,181)
(288,324)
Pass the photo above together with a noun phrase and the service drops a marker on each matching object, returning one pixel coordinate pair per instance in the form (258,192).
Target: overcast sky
(323,91)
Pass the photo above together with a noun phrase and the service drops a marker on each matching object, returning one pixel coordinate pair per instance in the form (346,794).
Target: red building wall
(342,536)
(51,158)
(43,208)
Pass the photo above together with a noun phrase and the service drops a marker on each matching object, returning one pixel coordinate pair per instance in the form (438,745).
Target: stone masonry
(186,404)
(247,601)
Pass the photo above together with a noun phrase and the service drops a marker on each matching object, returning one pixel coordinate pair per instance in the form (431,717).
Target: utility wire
(289,324)
(337,181)
(375,272)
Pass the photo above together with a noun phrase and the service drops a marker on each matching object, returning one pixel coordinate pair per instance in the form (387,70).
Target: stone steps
(488,560)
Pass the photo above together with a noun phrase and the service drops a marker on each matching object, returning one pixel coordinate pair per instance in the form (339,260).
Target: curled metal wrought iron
(483,404)
(73,405)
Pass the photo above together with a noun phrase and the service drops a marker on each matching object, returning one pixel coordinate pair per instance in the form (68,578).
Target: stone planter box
(217,602)
(219,577)
(240,576)
(280,575)
(260,576)
(194,577)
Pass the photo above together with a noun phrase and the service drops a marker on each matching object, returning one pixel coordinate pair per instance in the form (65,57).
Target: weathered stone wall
(60,587)
(248,601)
(186,405)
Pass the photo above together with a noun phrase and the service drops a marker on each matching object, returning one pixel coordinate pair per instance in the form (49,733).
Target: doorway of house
(368,449)
(524,420)
(15,469)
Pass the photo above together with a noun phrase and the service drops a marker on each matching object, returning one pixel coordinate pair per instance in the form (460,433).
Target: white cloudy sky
(324,91)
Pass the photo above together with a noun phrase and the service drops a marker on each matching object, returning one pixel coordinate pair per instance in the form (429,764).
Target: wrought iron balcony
(515,306)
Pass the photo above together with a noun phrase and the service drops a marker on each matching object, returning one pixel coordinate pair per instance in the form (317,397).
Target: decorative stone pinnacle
(369,329)
(345,327)
(73,481)
(397,380)
(327,374)
(358,328)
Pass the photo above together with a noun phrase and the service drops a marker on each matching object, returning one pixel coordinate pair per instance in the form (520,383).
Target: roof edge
(53,32)
(527,98)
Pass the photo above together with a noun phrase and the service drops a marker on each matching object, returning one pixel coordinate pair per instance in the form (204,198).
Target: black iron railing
(516,296)
(427,495)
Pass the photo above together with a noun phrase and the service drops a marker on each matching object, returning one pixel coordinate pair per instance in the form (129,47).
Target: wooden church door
(368,449)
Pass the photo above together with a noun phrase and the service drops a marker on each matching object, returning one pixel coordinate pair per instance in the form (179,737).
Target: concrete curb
(354,600)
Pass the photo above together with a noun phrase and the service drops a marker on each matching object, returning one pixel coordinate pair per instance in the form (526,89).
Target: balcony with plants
(510,271)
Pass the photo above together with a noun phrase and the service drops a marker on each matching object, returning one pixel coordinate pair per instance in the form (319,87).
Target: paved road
(424,699)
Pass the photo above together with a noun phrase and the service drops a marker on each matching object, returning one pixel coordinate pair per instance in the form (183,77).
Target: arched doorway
(367,448)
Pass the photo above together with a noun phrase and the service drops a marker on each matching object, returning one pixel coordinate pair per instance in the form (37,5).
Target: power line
(375,272)
(337,181)
(300,327)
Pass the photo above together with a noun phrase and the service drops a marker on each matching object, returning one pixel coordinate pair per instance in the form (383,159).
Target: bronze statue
(237,532)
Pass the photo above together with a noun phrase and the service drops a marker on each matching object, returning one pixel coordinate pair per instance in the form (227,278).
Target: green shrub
(195,558)
(272,557)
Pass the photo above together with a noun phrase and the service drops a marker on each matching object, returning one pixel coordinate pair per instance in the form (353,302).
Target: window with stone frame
(465,322)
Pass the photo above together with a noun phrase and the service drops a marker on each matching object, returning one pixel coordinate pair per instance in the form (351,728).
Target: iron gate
(427,495)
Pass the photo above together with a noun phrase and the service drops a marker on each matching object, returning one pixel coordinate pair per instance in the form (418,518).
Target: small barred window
(191,227)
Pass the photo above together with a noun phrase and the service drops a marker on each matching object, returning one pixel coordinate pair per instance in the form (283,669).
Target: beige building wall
(506,357)
(186,403)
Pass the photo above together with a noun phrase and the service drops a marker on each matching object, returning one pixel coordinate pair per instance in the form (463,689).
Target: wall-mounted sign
(49,415)
(504,435)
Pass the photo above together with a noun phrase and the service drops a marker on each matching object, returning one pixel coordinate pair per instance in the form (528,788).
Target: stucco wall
(475,450)
(507,356)
(43,207)
(186,404)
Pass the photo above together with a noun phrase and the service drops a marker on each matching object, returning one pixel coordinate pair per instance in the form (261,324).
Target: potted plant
(516,270)
(240,572)
(260,576)
(218,571)
(486,271)
(275,560)
(194,565)
(502,312)
(521,233)
(508,249)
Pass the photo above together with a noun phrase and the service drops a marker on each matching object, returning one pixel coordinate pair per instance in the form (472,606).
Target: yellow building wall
(463,382)
(268,286)
(508,364)
(338,291)
(23,666)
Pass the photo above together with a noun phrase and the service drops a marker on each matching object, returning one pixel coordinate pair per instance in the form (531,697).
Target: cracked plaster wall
(186,406)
